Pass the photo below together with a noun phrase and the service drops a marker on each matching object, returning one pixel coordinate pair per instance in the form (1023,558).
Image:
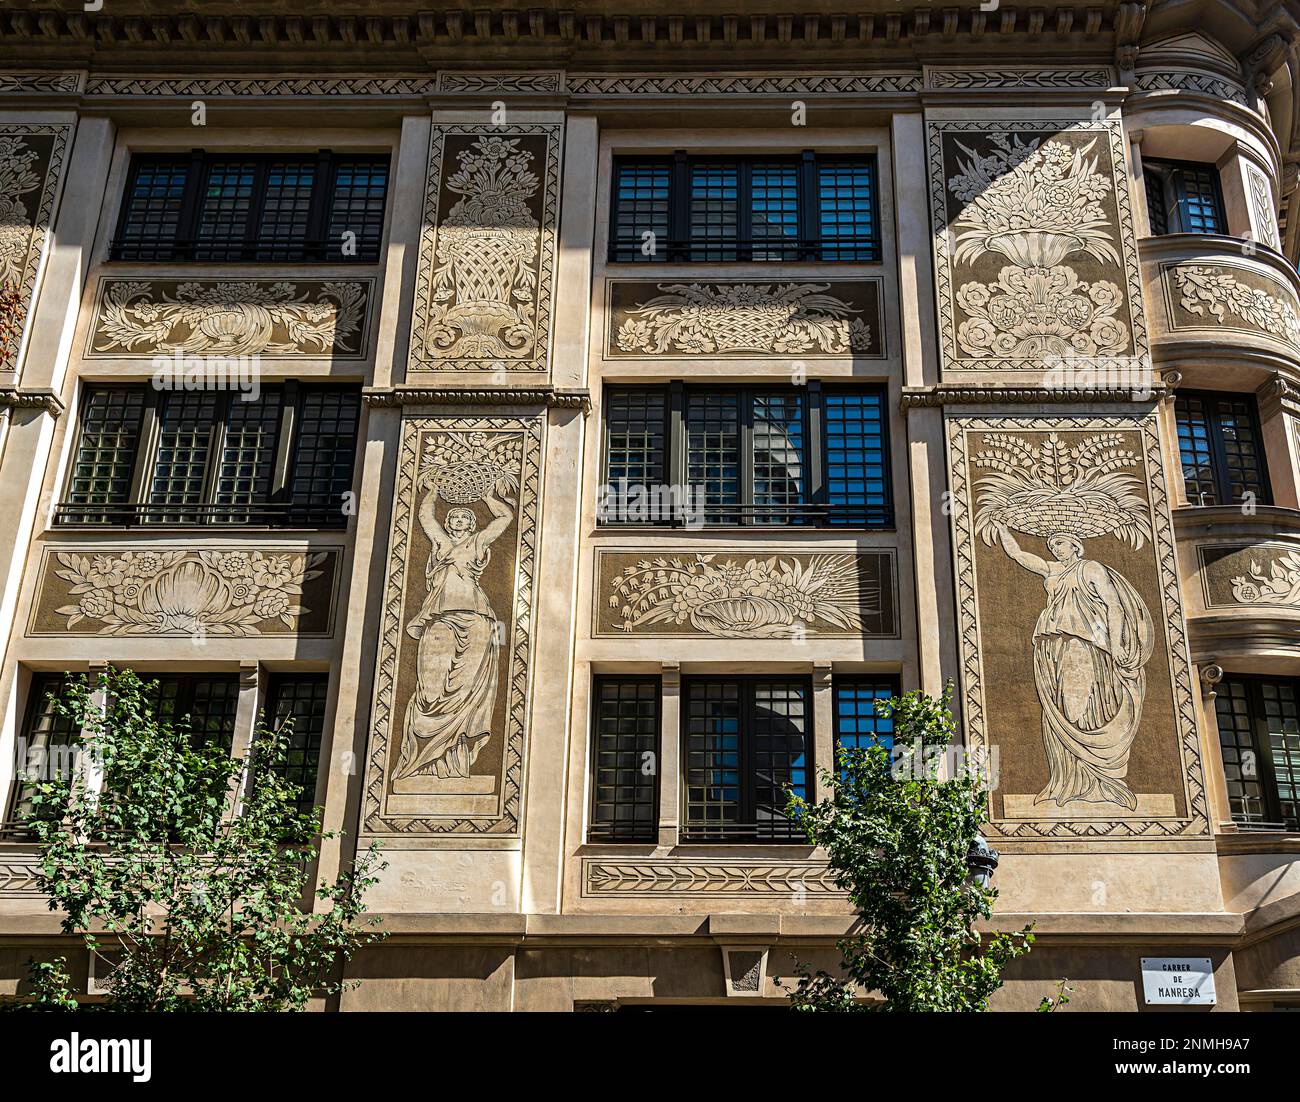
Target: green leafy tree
(184,904)
(898,834)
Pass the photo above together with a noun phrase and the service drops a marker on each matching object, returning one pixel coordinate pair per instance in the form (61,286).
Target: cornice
(389,32)
(391,397)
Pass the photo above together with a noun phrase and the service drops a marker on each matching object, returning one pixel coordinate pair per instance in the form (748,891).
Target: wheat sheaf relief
(1095,635)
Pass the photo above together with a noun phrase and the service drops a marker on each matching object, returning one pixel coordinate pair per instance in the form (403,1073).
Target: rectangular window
(167,457)
(1183,197)
(210,700)
(810,207)
(625,760)
(775,456)
(43,748)
(744,743)
(1259,738)
(1221,448)
(301,697)
(857,724)
(262,208)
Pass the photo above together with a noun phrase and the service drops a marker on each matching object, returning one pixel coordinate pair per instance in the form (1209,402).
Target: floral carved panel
(1033,236)
(449,722)
(273,319)
(173,592)
(741,595)
(1242,298)
(1257,575)
(487,249)
(1073,644)
(807,319)
(31,165)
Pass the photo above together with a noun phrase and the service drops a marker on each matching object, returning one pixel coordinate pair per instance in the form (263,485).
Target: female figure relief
(1090,644)
(449,716)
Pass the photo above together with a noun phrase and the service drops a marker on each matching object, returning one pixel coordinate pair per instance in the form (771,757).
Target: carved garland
(518,673)
(1196,823)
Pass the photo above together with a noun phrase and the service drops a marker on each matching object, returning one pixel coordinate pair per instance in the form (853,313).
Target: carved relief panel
(1243,298)
(231,317)
(31,164)
(731,319)
(451,690)
(1072,638)
(167,592)
(1255,575)
(487,249)
(743,595)
(1034,254)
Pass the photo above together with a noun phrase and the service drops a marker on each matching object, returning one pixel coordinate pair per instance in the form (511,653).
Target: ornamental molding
(487,249)
(1188,80)
(183,593)
(207,317)
(396,397)
(1035,263)
(18,877)
(928,397)
(671,84)
(31,172)
(549,82)
(605,877)
(41,84)
(1007,78)
(244,88)
(1112,506)
(447,756)
(745,318)
(15,398)
(1265,212)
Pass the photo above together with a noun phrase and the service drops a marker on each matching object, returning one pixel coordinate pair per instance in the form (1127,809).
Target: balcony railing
(313,513)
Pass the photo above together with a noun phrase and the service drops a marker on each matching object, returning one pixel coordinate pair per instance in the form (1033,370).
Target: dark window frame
(182,246)
(891,682)
(807,247)
(746,830)
(1219,465)
(816,511)
(597,831)
(280,510)
(1168,179)
(44,681)
(1266,775)
(277,682)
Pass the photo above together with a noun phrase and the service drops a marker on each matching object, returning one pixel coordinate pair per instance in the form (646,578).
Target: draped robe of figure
(1091,643)
(449,716)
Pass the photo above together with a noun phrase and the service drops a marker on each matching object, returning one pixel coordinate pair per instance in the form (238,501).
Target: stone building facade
(608,404)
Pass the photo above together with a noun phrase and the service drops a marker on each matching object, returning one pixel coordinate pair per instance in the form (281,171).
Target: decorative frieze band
(40,84)
(657,878)
(924,397)
(1001,78)
(390,397)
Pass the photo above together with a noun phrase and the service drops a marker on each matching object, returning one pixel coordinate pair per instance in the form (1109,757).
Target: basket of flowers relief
(465,467)
(1054,488)
(759,599)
